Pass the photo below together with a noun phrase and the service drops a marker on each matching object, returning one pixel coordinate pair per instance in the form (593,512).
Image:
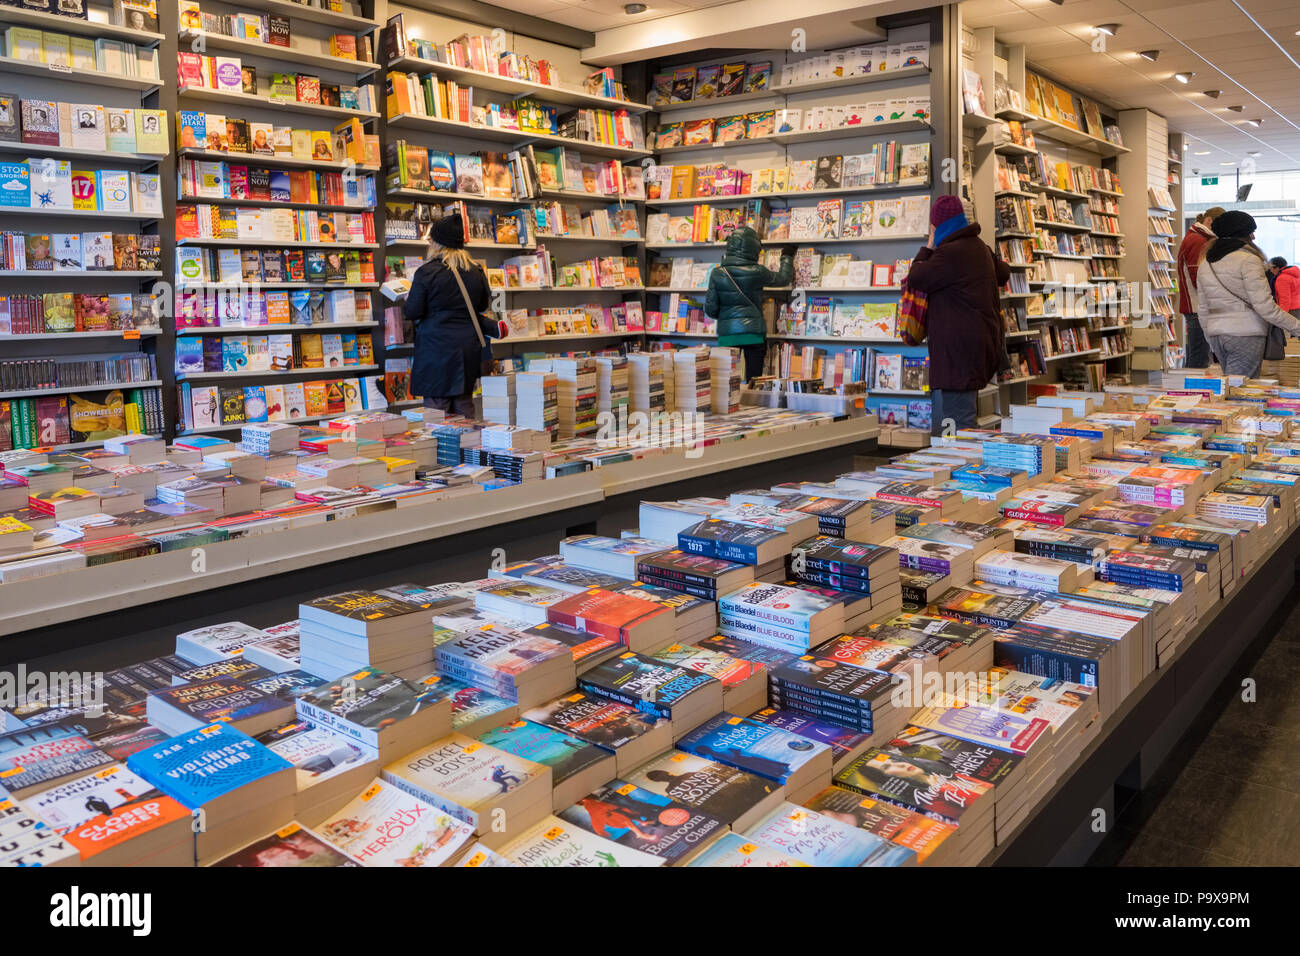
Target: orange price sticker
(130,333)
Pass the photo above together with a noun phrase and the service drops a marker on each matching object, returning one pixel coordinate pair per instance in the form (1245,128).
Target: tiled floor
(1229,795)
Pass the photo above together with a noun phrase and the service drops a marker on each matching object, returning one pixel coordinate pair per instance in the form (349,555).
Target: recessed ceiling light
(1183,77)
(632,9)
(1255,122)
(1235,109)
(1255,152)
(1186,146)
(1110,29)
(1213,94)
(1201,152)
(1151,55)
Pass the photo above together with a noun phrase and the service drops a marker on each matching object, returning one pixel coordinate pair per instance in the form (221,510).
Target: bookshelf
(841,127)
(1149,258)
(89,175)
(544,218)
(291,268)
(1051,192)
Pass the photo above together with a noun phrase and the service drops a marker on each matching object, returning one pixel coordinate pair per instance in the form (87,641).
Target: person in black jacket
(448,354)
(960,276)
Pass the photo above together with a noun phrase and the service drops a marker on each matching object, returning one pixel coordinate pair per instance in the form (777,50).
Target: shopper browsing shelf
(1189,256)
(960,277)
(449,352)
(1285,281)
(736,293)
(1236,308)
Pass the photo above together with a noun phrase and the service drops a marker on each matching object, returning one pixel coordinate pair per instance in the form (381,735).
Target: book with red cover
(632,621)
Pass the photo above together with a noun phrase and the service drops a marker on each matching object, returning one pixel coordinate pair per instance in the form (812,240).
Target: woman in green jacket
(736,294)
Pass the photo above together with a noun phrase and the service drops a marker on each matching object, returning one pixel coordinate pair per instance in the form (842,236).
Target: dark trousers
(951,410)
(1197,348)
(456,404)
(755,356)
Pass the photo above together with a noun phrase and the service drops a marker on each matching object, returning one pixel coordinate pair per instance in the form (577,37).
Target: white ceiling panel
(1214,39)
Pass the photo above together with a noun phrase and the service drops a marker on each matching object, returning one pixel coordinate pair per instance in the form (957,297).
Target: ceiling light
(633,8)
(1235,109)
(1186,146)
(1151,55)
(1213,94)
(1255,122)
(1183,77)
(1201,152)
(1110,29)
(1254,153)
(1227,164)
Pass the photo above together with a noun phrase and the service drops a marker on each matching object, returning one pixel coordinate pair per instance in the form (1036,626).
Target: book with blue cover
(654,687)
(207,764)
(761,749)
(742,543)
(189,354)
(844,743)
(564,754)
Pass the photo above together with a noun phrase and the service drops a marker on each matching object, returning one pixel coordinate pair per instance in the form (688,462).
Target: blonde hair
(458,259)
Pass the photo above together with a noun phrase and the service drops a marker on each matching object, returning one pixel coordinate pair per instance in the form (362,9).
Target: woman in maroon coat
(960,276)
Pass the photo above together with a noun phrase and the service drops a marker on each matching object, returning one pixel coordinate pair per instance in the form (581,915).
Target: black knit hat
(1234,224)
(449,232)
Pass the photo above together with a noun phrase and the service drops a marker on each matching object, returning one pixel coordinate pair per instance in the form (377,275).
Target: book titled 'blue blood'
(199,767)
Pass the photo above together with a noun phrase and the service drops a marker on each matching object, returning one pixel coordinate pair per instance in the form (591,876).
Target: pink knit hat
(944,208)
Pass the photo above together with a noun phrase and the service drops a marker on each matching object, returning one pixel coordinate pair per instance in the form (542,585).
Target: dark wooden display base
(1138,737)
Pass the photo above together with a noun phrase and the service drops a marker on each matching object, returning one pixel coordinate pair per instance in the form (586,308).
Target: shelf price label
(130,333)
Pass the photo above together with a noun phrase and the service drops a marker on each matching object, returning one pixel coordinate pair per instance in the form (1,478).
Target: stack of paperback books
(352,629)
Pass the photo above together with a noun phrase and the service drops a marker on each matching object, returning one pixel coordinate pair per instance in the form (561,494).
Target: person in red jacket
(960,276)
(1189,254)
(1285,280)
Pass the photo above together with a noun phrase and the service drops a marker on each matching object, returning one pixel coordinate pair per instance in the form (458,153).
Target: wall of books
(538,153)
(1039,164)
(82,142)
(825,154)
(1153,263)
(277,167)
